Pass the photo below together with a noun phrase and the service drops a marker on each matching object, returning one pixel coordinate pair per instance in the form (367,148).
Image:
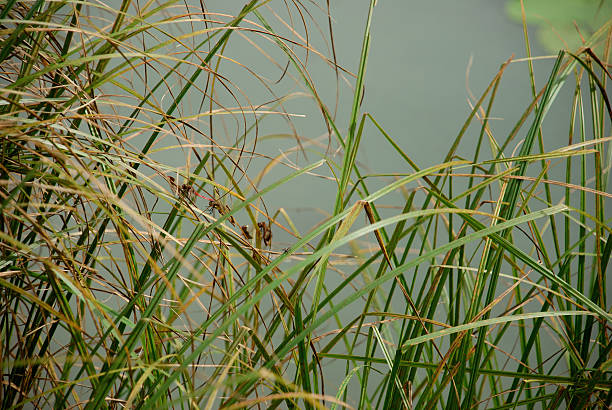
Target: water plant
(133,277)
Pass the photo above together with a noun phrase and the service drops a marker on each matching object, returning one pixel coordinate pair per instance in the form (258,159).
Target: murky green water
(416,87)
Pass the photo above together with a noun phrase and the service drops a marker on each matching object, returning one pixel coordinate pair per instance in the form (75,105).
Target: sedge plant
(129,279)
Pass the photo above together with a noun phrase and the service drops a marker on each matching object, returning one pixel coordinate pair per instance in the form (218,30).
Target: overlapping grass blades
(485,285)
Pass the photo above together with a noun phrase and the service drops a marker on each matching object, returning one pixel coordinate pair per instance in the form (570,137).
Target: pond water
(415,87)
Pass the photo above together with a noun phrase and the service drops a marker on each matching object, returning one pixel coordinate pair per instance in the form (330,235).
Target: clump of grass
(128,280)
